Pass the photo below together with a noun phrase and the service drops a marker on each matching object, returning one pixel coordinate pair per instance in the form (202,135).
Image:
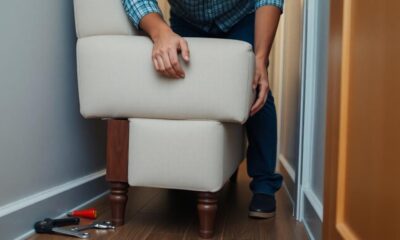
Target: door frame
(333,119)
(309,208)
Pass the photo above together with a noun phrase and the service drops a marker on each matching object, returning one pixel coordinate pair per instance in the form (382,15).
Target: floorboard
(159,214)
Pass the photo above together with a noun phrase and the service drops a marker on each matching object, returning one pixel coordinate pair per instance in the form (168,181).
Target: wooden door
(362,184)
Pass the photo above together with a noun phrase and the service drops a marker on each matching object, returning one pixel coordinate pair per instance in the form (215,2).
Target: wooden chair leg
(207,209)
(118,199)
(117,168)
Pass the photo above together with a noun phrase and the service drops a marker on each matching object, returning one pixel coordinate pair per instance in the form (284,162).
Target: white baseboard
(31,232)
(309,232)
(48,193)
(289,183)
(285,187)
(289,169)
(312,218)
(17,218)
(314,202)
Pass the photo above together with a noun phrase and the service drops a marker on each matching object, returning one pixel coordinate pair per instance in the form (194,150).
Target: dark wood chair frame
(117,177)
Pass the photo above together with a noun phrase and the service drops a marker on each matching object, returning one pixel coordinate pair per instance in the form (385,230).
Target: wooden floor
(157,214)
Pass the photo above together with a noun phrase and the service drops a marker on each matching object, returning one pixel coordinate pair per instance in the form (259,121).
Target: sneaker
(262,206)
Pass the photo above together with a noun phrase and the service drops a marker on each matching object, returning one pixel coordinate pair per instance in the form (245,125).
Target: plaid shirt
(201,13)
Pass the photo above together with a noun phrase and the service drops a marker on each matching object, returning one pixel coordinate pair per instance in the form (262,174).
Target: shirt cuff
(136,10)
(276,3)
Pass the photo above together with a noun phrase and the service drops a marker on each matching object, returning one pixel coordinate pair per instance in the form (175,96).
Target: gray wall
(44,141)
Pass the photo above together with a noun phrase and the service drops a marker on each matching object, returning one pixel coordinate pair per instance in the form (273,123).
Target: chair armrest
(117,80)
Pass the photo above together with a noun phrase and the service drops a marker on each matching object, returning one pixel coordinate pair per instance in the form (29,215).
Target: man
(253,21)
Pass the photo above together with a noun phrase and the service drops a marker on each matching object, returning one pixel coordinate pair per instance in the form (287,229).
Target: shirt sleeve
(276,3)
(137,9)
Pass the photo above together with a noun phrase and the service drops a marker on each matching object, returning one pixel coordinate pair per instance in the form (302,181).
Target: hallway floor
(158,214)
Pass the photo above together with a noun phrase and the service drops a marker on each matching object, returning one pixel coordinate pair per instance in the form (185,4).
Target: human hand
(260,83)
(167,45)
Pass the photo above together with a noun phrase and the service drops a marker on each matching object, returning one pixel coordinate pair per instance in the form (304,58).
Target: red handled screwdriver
(90,213)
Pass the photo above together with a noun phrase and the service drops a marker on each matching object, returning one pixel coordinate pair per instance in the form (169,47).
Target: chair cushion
(101,17)
(117,80)
(180,154)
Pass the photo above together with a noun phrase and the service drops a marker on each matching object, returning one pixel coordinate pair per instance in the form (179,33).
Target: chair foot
(207,209)
(118,199)
(234,176)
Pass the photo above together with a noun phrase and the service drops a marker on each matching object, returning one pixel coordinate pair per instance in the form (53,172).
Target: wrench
(95,225)
(66,231)
(49,225)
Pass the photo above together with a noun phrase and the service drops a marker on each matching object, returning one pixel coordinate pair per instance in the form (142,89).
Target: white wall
(44,142)
(289,58)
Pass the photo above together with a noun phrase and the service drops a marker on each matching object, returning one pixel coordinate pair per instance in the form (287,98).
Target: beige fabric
(117,79)
(101,17)
(179,154)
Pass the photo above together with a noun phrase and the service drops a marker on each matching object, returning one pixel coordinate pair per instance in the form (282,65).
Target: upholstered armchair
(165,133)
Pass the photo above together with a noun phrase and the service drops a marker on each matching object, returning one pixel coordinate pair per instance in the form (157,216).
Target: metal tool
(49,225)
(68,232)
(95,225)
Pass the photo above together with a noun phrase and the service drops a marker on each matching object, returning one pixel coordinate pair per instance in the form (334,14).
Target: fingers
(255,82)
(155,63)
(162,65)
(173,57)
(184,49)
(167,63)
(262,97)
(165,55)
(169,70)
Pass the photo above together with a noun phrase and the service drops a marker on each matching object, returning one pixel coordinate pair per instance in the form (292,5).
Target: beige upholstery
(101,17)
(117,79)
(179,135)
(189,155)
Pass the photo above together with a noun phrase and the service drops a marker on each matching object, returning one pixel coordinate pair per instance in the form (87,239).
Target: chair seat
(117,80)
(187,155)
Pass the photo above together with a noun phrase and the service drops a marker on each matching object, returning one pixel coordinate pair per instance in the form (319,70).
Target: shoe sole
(261,214)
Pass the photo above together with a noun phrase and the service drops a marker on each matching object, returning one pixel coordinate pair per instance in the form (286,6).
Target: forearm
(146,15)
(153,24)
(267,19)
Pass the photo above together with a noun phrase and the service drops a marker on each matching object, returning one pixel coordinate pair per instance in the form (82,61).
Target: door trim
(310,209)
(333,119)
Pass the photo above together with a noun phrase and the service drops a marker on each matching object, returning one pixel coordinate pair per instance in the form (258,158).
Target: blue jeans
(262,127)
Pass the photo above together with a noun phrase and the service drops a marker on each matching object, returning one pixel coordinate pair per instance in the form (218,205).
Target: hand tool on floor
(90,213)
(49,225)
(95,225)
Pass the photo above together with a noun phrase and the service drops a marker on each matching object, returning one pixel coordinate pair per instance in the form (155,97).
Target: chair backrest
(101,17)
